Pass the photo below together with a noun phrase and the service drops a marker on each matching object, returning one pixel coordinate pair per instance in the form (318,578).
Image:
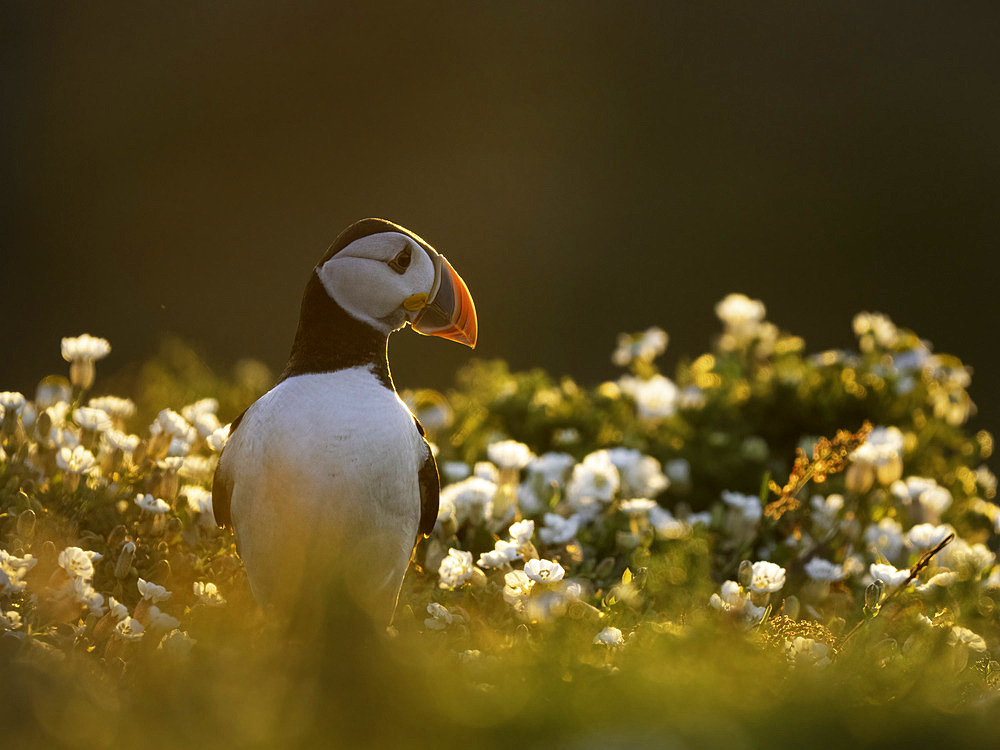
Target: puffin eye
(401,262)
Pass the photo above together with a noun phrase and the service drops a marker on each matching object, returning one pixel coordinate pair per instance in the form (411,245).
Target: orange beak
(449,312)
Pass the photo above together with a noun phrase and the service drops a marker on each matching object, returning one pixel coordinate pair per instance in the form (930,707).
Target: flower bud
(745,574)
(26,524)
(43,424)
(174,527)
(873,597)
(890,471)
(860,477)
(125,559)
(117,536)
(81,373)
(49,551)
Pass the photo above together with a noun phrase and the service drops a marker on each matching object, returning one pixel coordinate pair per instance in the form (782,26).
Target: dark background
(587,167)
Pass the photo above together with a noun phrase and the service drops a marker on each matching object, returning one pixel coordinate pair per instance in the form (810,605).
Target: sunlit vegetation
(772,546)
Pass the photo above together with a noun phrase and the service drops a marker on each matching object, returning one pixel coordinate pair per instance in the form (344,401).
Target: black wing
(222,485)
(430,488)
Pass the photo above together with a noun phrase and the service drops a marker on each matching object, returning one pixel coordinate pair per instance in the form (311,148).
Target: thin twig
(919,565)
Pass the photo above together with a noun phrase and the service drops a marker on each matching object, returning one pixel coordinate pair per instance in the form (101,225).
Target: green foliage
(628,611)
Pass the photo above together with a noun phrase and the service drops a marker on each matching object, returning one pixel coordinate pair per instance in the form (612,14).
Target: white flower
(502,554)
(823,570)
(529,500)
(610,637)
(208,594)
(825,510)
(171,464)
(13,570)
(938,580)
(198,498)
(551,467)
(966,637)
(455,569)
(509,454)
(158,619)
(11,401)
(116,609)
(486,470)
(471,498)
(881,456)
(992,581)
(640,506)
(645,346)
(641,475)
(10,620)
(927,535)
(517,586)
(78,563)
(153,592)
(218,439)
(594,481)
(92,419)
(197,468)
(200,408)
(888,574)
(807,651)
(116,440)
(733,599)
(743,516)
(738,311)
(655,398)
(75,461)
(85,348)
(933,498)
(747,505)
(113,406)
(440,618)
(128,629)
(521,533)
(50,391)
(544,571)
(174,425)
(767,577)
(886,538)
(968,560)
(454,471)
(151,504)
(559,530)
(666,525)
(84,593)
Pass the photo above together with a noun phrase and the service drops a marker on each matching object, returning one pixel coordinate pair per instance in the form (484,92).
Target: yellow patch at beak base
(415,302)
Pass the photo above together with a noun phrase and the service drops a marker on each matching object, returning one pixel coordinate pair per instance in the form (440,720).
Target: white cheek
(370,291)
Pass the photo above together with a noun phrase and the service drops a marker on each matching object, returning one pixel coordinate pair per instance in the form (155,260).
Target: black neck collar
(330,339)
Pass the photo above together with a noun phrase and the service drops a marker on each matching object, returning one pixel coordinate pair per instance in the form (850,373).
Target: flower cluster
(816,504)
(897,510)
(103,519)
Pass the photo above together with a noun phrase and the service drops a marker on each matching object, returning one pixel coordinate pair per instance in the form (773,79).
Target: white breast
(324,470)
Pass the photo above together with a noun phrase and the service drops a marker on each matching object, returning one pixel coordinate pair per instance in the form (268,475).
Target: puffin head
(388,277)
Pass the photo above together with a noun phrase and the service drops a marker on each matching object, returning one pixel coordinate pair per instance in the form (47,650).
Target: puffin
(327,480)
